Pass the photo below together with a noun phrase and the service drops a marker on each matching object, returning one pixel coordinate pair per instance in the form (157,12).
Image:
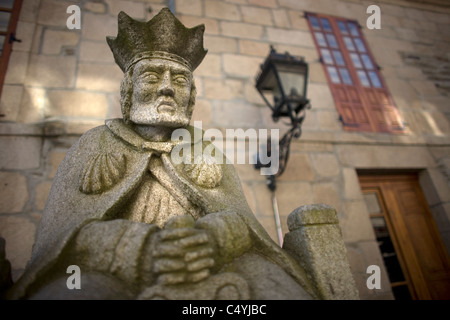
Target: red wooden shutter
(9,15)
(360,94)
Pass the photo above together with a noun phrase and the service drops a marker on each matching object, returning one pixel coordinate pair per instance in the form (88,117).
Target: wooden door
(415,257)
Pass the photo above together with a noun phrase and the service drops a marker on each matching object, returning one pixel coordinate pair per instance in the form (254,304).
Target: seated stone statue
(140,226)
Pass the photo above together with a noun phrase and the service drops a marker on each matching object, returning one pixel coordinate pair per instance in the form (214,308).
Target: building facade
(375,145)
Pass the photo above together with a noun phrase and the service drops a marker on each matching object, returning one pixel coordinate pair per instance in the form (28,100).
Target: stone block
(54,160)
(434,186)
(328,194)
(51,71)
(386,51)
(329,120)
(437,17)
(210,67)
(294,4)
(29,10)
(70,103)
(216,44)
(280,18)
(438,103)
(96,7)
(202,112)
(114,109)
(252,95)
(189,7)
(315,240)
(438,121)
(325,164)
(404,94)
(317,73)
(134,9)
(53,13)
(13,192)
(10,102)
(352,189)
(384,157)
(32,105)
(247,172)
(98,26)
(81,126)
(24,32)
(425,87)
(409,73)
(223,89)
(298,20)
(253,48)
(291,37)
(235,115)
(95,52)
(292,195)
(355,223)
(99,77)
(264,3)
(55,40)
(20,152)
(222,10)
(17,68)
(42,192)
(241,66)
(256,15)
(211,25)
(19,234)
(320,96)
(37,39)
(298,169)
(241,30)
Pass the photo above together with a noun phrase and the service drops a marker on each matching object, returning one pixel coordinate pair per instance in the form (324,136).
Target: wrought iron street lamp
(282,84)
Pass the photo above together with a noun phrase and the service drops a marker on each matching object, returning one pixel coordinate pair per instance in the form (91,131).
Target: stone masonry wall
(62,82)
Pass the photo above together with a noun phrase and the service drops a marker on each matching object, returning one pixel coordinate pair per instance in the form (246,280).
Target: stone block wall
(62,82)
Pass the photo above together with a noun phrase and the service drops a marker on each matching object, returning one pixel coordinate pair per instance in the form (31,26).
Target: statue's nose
(165,87)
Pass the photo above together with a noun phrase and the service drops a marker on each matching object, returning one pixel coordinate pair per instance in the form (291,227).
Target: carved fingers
(182,254)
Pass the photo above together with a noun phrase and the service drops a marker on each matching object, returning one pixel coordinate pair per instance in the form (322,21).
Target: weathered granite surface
(141,226)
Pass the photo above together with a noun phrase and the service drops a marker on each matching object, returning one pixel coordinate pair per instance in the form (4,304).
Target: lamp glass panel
(292,78)
(269,86)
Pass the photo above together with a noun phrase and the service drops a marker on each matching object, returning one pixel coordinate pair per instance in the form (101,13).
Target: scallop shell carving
(206,174)
(101,172)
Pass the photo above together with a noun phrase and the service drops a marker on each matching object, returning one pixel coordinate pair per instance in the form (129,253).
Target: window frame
(361,108)
(9,34)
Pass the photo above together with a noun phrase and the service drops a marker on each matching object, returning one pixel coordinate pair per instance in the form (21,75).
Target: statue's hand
(182,253)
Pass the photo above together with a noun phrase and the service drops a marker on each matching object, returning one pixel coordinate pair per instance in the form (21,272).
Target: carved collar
(123,131)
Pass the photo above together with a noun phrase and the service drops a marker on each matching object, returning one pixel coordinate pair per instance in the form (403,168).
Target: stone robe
(92,220)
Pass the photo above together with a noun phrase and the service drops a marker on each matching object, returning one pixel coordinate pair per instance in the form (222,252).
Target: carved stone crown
(164,36)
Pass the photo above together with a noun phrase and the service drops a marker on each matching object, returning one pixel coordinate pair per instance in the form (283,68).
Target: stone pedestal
(315,240)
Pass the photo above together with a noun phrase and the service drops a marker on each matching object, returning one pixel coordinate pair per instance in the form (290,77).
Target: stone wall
(62,82)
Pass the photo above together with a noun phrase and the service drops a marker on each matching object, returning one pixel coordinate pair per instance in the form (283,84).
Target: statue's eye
(180,80)
(150,77)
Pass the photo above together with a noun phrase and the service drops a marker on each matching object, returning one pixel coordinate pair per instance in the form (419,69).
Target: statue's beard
(159,114)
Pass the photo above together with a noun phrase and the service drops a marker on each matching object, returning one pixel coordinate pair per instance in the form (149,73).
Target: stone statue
(140,226)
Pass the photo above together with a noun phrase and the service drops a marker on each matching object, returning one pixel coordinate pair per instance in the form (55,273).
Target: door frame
(406,253)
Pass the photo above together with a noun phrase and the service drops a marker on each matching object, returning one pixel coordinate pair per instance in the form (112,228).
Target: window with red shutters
(360,93)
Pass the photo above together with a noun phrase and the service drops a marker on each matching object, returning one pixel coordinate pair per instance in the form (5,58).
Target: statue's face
(161,93)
